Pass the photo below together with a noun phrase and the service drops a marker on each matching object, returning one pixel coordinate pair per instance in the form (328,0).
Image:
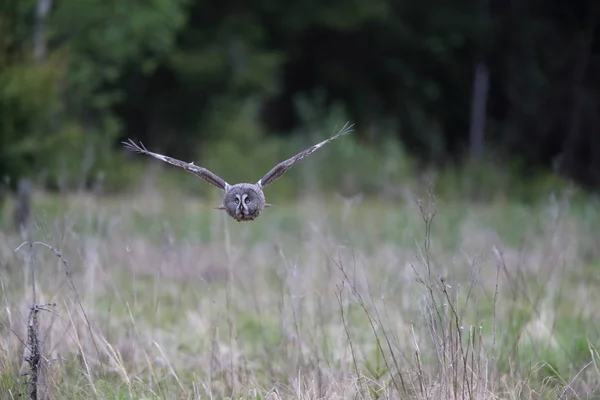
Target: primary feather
(277,171)
(205,174)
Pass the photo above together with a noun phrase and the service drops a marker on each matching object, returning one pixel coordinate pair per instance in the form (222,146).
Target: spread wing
(203,173)
(277,171)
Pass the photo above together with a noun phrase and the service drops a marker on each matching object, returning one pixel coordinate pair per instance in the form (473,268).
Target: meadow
(159,296)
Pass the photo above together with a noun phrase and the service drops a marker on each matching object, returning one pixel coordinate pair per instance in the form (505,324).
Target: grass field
(164,297)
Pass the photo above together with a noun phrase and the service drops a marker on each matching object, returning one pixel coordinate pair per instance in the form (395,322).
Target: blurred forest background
(496,90)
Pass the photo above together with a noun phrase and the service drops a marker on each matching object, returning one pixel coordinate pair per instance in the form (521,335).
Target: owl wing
(203,173)
(277,171)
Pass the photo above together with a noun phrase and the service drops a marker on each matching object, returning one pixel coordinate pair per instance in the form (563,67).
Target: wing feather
(203,173)
(277,171)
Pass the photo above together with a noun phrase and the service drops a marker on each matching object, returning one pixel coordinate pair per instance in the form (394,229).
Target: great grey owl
(242,201)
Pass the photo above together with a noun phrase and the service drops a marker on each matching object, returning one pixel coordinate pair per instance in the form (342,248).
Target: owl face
(244,201)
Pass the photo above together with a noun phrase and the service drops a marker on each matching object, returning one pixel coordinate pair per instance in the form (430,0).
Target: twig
(563,393)
(34,356)
(68,273)
(363,306)
(344,323)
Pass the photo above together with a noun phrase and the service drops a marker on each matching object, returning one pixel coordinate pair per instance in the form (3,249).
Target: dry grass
(167,298)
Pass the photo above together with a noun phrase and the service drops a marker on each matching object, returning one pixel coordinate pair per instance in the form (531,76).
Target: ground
(165,297)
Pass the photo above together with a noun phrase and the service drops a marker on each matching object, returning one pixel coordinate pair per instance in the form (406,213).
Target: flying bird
(242,201)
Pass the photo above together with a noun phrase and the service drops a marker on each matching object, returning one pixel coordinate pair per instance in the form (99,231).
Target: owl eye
(247,200)
(237,200)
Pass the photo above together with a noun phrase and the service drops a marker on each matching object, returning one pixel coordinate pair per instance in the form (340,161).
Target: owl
(242,201)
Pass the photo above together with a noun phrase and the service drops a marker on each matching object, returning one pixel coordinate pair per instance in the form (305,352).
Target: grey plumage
(242,201)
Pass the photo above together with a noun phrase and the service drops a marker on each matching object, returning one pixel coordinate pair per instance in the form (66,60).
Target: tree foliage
(187,77)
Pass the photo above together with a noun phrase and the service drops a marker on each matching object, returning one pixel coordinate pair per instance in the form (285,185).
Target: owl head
(244,201)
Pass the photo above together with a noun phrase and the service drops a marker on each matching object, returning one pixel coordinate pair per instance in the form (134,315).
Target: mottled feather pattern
(203,173)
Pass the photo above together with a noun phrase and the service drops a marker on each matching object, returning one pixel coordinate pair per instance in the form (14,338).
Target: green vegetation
(315,299)
(355,285)
(238,84)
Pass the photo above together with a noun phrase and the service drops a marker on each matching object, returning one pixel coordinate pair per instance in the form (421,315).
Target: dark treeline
(451,79)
